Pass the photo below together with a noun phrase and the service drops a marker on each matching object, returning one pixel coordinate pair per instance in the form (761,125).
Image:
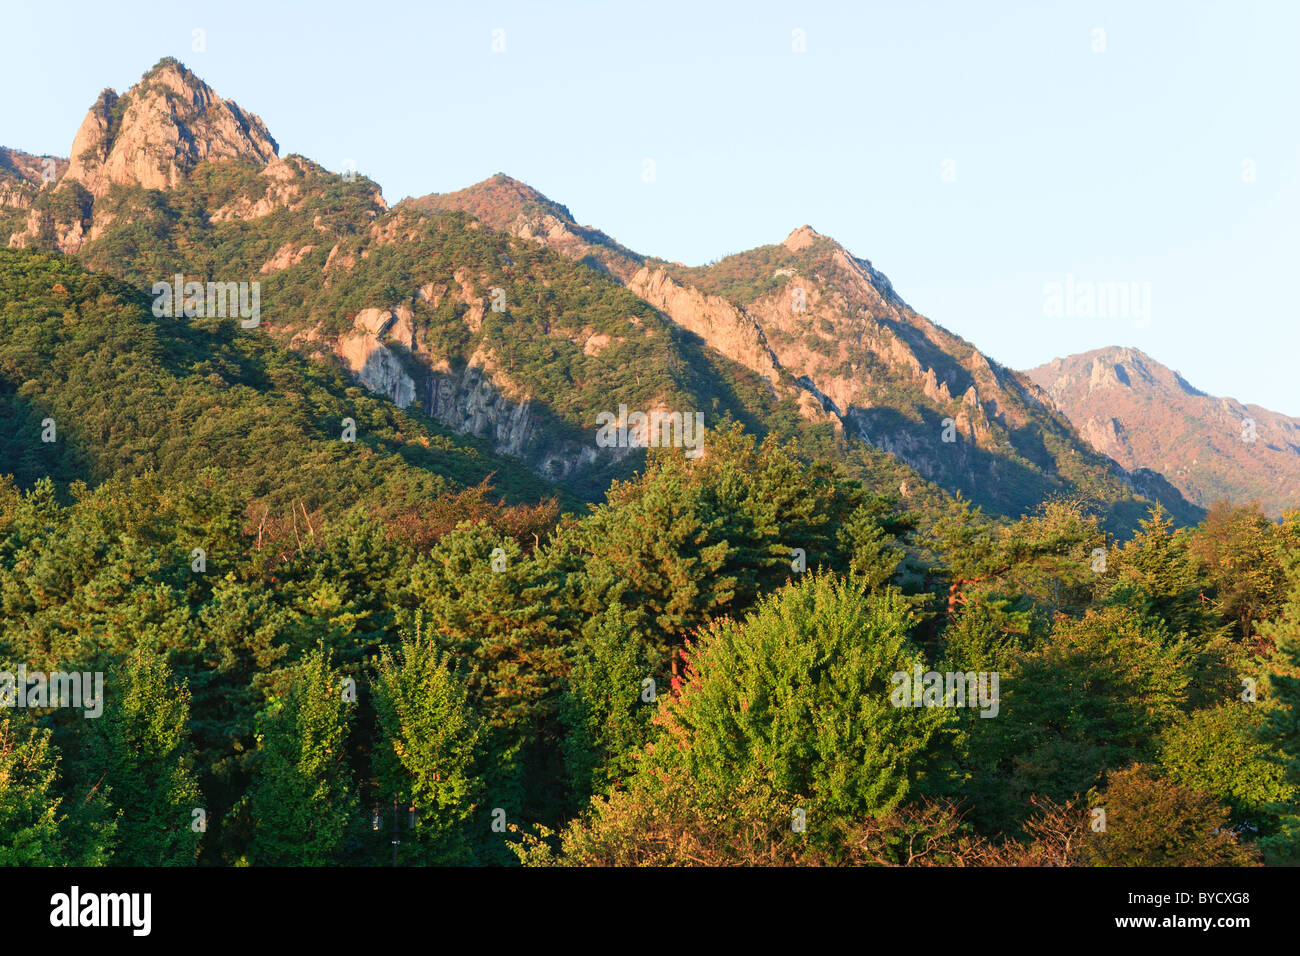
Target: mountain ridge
(805,333)
(1146,415)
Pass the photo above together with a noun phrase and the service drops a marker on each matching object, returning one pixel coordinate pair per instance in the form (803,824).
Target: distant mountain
(493,312)
(1145,415)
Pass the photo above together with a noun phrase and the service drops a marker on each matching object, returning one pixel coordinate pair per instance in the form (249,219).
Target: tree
(1221,751)
(690,539)
(140,750)
(1094,697)
(1238,549)
(29,806)
(426,751)
(1156,573)
(303,803)
(605,709)
(492,608)
(1151,821)
(1280,729)
(790,712)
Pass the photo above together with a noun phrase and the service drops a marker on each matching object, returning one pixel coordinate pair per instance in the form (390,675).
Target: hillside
(128,394)
(809,318)
(1145,415)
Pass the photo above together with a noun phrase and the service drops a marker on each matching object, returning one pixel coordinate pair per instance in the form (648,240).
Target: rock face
(717,321)
(1146,416)
(372,360)
(384,351)
(161,129)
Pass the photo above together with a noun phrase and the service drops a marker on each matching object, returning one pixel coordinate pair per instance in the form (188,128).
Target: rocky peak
(802,238)
(162,128)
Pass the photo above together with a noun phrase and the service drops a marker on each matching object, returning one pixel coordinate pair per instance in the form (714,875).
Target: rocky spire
(161,129)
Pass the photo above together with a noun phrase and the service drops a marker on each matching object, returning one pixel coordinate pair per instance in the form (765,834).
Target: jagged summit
(160,129)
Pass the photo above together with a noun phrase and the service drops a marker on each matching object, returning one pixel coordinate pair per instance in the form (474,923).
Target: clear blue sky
(1120,166)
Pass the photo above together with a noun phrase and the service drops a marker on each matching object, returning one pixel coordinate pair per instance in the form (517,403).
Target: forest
(313,648)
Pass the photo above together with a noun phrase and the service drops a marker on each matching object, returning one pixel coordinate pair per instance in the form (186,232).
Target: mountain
(1145,415)
(809,316)
(492,312)
(904,384)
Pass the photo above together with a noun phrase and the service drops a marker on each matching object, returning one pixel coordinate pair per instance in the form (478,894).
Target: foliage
(303,802)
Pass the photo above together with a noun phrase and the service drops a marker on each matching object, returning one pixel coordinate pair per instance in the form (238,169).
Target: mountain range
(490,315)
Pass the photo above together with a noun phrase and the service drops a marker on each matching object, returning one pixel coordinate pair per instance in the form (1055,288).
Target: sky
(984,156)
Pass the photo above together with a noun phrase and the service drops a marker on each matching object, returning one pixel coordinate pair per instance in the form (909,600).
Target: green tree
(796,700)
(1220,751)
(140,752)
(1095,696)
(426,751)
(29,805)
(1156,573)
(604,710)
(303,803)
(1280,729)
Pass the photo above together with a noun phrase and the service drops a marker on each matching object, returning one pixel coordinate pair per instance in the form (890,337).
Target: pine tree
(491,607)
(606,709)
(1155,572)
